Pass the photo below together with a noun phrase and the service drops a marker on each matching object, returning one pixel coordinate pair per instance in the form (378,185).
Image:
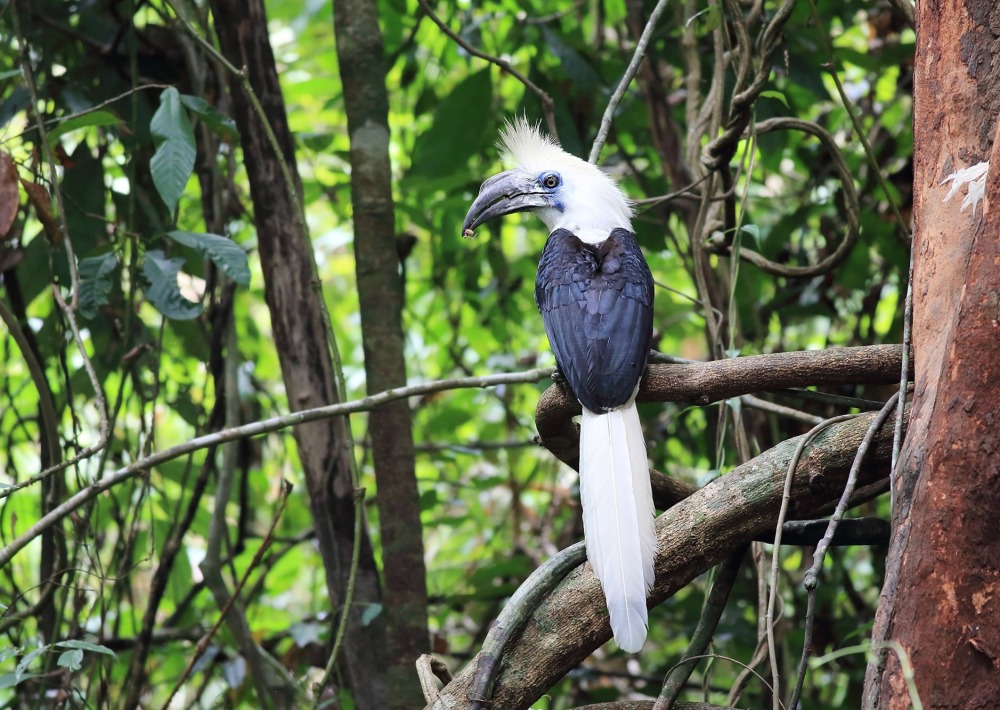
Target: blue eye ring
(550,181)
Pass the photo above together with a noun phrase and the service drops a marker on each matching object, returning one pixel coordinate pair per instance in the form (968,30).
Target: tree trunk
(941,597)
(300,326)
(380,288)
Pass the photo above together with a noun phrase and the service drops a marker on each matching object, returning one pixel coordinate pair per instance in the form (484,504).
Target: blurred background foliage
(493,504)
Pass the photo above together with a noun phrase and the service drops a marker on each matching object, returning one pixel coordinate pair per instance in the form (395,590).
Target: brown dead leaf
(39,198)
(9,196)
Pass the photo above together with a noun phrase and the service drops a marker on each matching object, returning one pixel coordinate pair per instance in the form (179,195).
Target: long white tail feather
(618,517)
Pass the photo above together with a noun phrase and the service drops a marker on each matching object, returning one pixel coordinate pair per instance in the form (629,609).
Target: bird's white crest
(593,204)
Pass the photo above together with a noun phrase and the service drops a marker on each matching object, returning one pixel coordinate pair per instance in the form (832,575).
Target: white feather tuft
(975,177)
(593,204)
(618,517)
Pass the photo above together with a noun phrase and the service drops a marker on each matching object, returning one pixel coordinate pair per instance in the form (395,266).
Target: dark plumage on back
(596,303)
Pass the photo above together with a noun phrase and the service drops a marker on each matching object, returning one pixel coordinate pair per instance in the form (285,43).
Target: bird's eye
(551,181)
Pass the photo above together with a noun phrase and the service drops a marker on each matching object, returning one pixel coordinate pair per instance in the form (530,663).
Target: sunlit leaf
(71,660)
(90,119)
(771,94)
(164,292)
(224,253)
(86,646)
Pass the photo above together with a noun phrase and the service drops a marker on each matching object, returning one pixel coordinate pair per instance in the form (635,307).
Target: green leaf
(224,253)
(579,70)
(754,231)
(70,659)
(462,128)
(9,680)
(22,665)
(173,162)
(771,94)
(86,646)
(219,122)
(95,282)
(87,120)
(163,291)
(371,611)
(9,73)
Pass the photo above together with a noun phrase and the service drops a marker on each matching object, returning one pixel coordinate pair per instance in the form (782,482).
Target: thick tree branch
(695,534)
(706,382)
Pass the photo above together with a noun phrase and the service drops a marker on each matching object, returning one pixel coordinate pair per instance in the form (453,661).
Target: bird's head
(564,191)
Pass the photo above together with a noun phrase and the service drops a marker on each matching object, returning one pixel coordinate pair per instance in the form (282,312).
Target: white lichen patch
(975,177)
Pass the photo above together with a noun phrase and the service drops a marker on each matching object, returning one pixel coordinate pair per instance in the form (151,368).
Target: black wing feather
(596,302)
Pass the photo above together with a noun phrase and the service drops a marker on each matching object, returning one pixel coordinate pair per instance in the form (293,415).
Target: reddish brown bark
(941,598)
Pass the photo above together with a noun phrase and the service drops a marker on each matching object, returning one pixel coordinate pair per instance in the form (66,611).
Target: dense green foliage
(136,122)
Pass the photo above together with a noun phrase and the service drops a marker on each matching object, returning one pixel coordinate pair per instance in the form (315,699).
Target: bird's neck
(593,233)
(590,215)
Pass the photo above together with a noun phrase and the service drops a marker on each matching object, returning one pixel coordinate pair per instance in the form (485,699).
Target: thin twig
(263,426)
(678,676)
(68,309)
(686,191)
(286,489)
(909,677)
(904,376)
(430,668)
(623,84)
(548,105)
(786,497)
(43,144)
(834,72)
(46,409)
(811,579)
(345,612)
(264,681)
(780,409)
(96,107)
(852,209)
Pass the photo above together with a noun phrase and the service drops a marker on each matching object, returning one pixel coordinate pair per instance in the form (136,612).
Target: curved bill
(504,193)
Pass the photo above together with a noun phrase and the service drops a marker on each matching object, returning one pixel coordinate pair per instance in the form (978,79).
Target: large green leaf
(163,291)
(95,282)
(87,120)
(173,162)
(216,120)
(224,253)
(86,646)
(462,128)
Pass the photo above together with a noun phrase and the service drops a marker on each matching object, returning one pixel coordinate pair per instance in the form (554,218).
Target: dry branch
(694,535)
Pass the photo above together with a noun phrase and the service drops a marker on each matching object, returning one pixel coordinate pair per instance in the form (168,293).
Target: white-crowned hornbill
(595,293)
